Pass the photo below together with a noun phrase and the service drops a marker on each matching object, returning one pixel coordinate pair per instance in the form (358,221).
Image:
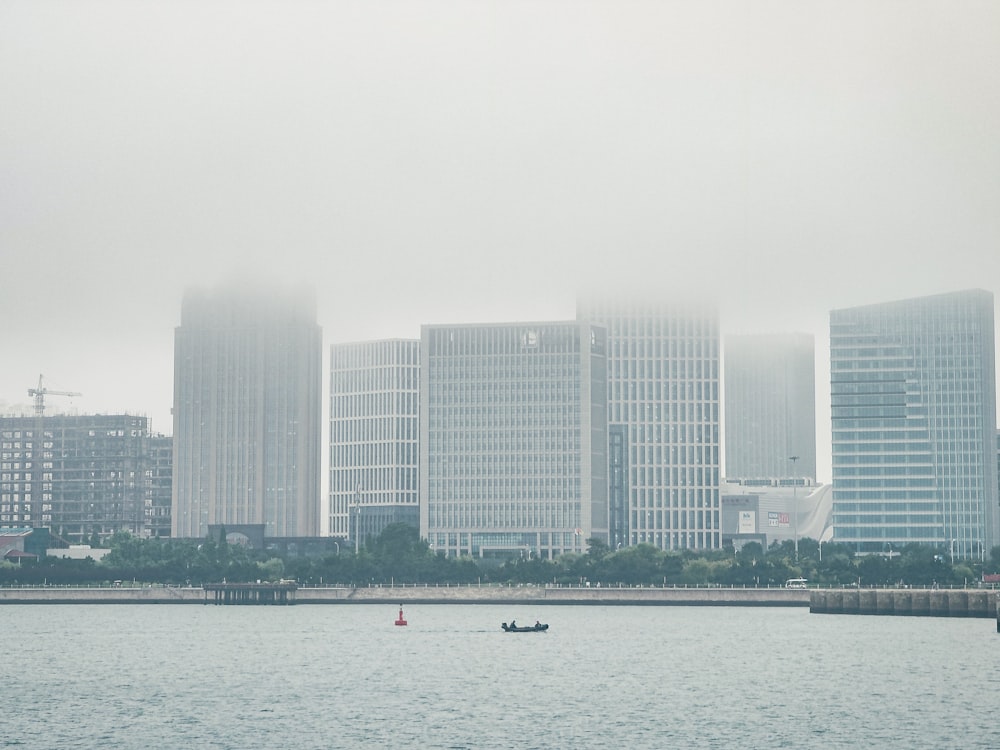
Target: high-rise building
(914,424)
(770,396)
(374,432)
(663,404)
(159,480)
(247,412)
(513,438)
(80,476)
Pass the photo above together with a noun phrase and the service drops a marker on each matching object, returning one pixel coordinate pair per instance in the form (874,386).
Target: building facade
(770,414)
(247,412)
(914,423)
(83,477)
(663,393)
(159,476)
(513,438)
(374,433)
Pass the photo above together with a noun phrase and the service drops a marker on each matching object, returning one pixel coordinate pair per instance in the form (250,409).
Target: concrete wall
(427,595)
(924,602)
(83,595)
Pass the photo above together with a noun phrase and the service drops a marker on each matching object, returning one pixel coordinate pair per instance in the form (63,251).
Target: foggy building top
(247,410)
(770,396)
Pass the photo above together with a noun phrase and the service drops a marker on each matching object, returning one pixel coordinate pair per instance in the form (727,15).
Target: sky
(448,161)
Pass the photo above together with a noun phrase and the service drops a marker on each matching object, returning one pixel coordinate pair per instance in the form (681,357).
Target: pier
(251,593)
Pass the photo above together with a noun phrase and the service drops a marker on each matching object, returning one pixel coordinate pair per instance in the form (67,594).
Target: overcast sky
(456,161)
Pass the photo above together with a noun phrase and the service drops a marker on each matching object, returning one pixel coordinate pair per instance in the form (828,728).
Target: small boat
(536,628)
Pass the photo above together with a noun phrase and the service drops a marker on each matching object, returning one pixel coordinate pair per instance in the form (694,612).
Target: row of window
(554,516)
(395,353)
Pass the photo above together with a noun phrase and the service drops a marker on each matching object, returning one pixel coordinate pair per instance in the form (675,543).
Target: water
(342,676)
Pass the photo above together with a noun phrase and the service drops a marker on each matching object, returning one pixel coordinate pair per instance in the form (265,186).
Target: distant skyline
(442,162)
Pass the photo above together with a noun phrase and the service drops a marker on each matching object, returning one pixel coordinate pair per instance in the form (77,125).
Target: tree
(597,549)
(272,569)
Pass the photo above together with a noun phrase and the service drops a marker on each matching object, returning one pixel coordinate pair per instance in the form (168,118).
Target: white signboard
(748,522)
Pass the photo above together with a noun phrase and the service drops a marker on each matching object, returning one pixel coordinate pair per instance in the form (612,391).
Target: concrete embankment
(104,595)
(913,602)
(557,595)
(428,595)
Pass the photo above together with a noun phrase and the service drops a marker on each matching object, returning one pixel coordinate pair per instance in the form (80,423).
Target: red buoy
(400,621)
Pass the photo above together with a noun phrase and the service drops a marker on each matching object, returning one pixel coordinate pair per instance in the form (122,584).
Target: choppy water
(190,676)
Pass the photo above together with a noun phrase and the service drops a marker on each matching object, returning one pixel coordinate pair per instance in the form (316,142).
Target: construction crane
(34,512)
(41,391)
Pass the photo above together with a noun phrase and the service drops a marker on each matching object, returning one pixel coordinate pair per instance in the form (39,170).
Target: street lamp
(795,508)
(357,526)
(357,517)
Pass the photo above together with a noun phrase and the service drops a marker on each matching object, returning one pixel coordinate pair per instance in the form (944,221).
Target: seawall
(728,597)
(473,594)
(907,602)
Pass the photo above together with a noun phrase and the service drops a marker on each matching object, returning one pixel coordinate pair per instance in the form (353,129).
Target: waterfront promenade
(423,594)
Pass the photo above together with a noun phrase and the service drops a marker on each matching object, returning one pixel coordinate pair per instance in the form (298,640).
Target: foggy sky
(455,161)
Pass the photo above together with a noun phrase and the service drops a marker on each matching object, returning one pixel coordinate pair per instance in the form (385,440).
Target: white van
(797,583)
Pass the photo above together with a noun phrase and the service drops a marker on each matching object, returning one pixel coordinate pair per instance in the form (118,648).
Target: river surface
(342,676)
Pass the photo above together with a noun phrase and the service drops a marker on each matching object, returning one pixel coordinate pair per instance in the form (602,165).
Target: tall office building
(770,396)
(914,424)
(374,429)
(663,419)
(247,412)
(80,476)
(513,439)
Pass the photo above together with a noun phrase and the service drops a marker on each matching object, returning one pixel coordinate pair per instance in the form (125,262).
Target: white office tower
(374,429)
(913,385)
(663,421)
(247,412)
(770,395)
(513,445)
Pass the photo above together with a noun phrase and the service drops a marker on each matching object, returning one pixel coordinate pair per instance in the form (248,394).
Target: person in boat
(513,624)
(538,624)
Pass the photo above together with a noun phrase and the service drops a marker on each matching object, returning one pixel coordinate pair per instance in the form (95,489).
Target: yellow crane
(41,391)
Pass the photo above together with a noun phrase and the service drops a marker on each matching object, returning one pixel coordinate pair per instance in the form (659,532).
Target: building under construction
(79,476)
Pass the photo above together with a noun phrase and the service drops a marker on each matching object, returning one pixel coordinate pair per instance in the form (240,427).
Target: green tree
(272,569)
(597,549)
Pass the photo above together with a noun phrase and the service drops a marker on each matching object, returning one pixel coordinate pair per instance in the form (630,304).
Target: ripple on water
(344,677)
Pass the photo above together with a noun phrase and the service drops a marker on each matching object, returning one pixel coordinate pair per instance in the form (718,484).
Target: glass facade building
(513,438)
(914,424)
(374,419)
(770,397)
(247,411)
(663,393)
